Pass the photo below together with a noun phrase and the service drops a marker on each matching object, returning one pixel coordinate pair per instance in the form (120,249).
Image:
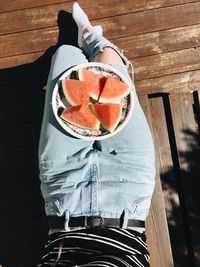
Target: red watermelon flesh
(76,92)
(81,116)
(108,114)
(113,90)
(95,80)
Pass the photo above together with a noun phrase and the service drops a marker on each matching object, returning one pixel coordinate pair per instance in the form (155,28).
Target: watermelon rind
(80,74)
(114,126)
(75,91)
(65,94)
(115,82)
(81,117)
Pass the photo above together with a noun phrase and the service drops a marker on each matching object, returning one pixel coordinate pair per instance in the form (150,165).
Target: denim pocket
(140,208)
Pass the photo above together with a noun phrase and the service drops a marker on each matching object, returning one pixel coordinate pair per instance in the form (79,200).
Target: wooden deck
(162,38)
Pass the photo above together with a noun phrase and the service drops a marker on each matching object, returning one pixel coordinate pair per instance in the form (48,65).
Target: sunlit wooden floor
(162,39)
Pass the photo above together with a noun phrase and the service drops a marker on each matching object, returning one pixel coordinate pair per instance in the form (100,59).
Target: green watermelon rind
(65,94)
(110,130)
(96,127)
(79,74)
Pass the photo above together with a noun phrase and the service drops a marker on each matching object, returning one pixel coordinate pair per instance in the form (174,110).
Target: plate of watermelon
(92,101)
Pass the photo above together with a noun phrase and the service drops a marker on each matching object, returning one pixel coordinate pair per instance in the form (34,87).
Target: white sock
(82,21)
(98,29)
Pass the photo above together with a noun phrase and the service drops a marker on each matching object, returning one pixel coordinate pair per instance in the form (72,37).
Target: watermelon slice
(75,91)
(108,114)
(95,81)
(81,116)
(113,90)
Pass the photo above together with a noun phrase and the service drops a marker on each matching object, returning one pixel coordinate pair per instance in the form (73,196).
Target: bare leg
(108,56)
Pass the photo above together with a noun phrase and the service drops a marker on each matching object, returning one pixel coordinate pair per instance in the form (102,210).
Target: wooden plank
(30,41)
(187,141)
(11,5)
(12,61)
(134,46)
(160,126)
(46,16)
(174,83)
(157,229)
(139,5)
(114,27)
(151,20)
(161,64)
(34,18)
(153,43)
(167,63)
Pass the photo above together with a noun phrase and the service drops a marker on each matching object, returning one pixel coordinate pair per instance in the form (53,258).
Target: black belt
(92,221)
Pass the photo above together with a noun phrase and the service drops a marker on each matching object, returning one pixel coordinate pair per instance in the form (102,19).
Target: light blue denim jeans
(86,178)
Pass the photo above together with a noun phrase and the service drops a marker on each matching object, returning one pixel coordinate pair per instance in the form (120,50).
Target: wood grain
(26,42)
(167,63)
(159,42)
(158,240)
(168,175)
(117,27)
(138,46)
(152,66)
(12,5)
(151,20)
(187,140)
(174,83)
(139,5)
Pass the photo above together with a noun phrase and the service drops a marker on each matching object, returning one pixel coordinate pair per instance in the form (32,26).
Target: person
(97,193)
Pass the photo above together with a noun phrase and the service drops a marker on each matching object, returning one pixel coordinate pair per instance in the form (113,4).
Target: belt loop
(125,218)
(66,223)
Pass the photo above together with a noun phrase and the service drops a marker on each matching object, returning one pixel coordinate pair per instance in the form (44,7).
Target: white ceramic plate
(59,103)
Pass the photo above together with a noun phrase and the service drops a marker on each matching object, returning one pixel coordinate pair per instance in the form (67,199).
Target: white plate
(58,103)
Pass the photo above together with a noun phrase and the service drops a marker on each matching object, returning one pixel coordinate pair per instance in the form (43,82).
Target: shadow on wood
(175,125)
(23,227)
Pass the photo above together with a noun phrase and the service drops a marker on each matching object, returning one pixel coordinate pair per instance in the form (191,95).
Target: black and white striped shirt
(96,247)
